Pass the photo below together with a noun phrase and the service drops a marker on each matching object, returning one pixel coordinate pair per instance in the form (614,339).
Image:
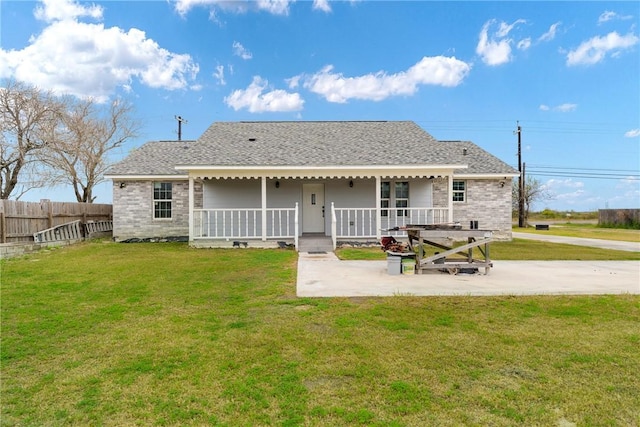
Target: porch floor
(315,242)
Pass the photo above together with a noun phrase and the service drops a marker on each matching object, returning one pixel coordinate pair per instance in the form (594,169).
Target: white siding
(361,195)
(246,193)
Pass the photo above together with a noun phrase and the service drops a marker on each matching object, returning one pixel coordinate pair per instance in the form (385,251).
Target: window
(385,195)
(162,200)
(402,198)
(459,191)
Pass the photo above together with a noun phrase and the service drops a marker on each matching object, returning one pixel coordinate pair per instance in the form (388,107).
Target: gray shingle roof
(341,143)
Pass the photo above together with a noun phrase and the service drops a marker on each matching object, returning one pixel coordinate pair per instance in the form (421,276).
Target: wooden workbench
(422,237)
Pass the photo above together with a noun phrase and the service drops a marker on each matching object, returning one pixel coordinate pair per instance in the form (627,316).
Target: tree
(534,191)
(28,117)
(88,133)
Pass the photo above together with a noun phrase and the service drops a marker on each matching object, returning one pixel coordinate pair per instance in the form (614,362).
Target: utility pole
(520,180)
(180,121)
(524,190)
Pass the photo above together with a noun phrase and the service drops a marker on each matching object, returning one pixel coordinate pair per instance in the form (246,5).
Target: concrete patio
(323,275)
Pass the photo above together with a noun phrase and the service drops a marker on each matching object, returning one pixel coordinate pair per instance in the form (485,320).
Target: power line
(583,176)
(582,172)
(534,126)
(584,169)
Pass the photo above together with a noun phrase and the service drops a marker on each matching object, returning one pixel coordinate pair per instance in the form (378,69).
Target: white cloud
(562,108)
(628,191)
(322,5)
(524,44)
(219,75)
(276,7)
(629,181)
(596,49)
(633,133)
(334,87)
(610,16)
(551,34)
(566,190)
(565,108)
(184,6)
(606,16)
(240,51)
(256,100)
(61,10)
(495,49)
(563,183)
(570,196)
(294,82)
(504,28)
(89,60)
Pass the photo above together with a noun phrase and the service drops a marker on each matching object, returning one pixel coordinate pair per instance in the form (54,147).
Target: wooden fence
(619,217)
(19,221)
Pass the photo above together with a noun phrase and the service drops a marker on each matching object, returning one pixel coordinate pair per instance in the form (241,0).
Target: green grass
(160,334)
(591,231)
(515,250)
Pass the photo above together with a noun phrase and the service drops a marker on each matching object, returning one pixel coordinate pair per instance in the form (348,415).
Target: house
(261,183)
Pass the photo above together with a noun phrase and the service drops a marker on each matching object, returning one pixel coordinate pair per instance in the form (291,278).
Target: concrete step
(315,244)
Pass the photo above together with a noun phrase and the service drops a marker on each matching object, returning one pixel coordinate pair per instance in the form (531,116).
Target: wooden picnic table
(422,237)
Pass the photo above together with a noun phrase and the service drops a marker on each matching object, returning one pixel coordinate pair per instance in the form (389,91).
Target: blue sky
(568,72)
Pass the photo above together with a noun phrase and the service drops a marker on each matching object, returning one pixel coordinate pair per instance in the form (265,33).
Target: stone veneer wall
(133,210)
(486,202)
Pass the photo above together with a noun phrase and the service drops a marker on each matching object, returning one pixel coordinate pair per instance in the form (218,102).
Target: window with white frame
(385,196)
(162,195)
(402,197)
(398,198)
(459,191)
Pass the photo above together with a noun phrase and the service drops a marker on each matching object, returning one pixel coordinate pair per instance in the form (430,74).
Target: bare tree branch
(534,191)
(87,134)
(28,117)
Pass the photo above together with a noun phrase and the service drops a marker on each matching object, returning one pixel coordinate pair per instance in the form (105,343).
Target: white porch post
(191,207)
(333,226)
(296,230)
(450,195)
(264,208)
(378,211)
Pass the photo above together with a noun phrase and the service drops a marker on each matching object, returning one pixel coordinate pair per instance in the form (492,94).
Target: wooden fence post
(3,227)
(50,214)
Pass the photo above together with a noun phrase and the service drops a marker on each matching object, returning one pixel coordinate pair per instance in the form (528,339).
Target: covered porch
(272,208)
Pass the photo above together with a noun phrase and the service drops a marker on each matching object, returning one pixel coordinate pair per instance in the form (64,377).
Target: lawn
(161,334)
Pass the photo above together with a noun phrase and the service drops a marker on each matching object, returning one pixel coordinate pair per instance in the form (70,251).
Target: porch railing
(245,223)
(361,223)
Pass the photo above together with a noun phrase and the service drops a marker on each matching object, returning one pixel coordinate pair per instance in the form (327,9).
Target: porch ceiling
(316,172)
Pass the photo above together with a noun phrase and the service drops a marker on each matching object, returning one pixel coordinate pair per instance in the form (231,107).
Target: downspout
(378,211)
(191,207)
(264,208)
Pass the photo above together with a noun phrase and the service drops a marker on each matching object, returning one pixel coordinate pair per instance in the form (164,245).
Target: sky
(566,72)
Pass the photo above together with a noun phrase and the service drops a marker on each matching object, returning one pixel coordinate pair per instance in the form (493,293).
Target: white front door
(313,208)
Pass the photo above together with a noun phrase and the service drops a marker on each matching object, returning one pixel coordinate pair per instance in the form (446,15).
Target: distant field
(586,230)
